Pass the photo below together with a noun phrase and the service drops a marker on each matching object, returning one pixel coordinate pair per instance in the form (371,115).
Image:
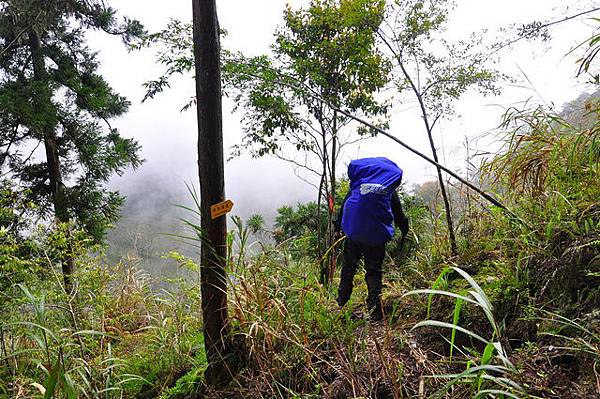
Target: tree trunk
(213,277)
(320,235)
(331,206)
(42,102)
(453,248)
(428,128)
(334,150)
(323,190)
(447,207)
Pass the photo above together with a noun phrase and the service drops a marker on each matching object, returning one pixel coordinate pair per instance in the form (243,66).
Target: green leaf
(437,323)
(441,292)
(471,372)
(438,281)
(488,353)
(68,386)
(52,380)
(485,392)
(455,317)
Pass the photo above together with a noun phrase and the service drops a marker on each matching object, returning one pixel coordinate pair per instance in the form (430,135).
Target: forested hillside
(493,291)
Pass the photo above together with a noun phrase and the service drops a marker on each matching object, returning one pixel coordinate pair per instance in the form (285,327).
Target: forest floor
(391,359)
(544,370)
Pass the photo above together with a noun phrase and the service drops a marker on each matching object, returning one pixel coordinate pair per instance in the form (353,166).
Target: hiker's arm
(400,219)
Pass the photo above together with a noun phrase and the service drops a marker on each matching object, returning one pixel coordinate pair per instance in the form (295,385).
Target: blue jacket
(367,216)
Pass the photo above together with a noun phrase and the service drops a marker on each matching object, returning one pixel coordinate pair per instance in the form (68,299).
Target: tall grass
(99,342)
(489,375)
(295,340)
(61,361)
(550,168)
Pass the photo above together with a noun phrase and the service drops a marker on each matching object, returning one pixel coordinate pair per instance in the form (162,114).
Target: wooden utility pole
(212,191)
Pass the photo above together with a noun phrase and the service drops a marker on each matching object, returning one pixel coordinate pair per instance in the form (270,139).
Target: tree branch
(540,27)
(300,86)
(21,33)
(297,164)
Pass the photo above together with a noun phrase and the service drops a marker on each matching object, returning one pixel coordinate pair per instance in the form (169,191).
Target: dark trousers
(373,257)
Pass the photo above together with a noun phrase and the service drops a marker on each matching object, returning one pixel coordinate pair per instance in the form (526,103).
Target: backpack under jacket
(367,214)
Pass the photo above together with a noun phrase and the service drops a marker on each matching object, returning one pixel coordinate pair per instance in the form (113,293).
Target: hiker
(366,217)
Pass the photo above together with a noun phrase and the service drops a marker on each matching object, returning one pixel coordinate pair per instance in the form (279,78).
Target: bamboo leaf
(31,324)
(437,323)
(471,372)
(441,292)
(52,380)
(455,318)
(495,392)
(68,386)
(438,281)
(488,353)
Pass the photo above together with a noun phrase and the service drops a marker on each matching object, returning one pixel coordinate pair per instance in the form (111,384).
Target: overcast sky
(168,137)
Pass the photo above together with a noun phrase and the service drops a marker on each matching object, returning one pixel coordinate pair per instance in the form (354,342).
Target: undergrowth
(113,337)
(514,315)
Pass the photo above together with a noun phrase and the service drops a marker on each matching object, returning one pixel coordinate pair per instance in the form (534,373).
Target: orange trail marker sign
(220,209)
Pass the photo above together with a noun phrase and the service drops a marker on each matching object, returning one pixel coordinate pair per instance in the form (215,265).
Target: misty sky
(544,71)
